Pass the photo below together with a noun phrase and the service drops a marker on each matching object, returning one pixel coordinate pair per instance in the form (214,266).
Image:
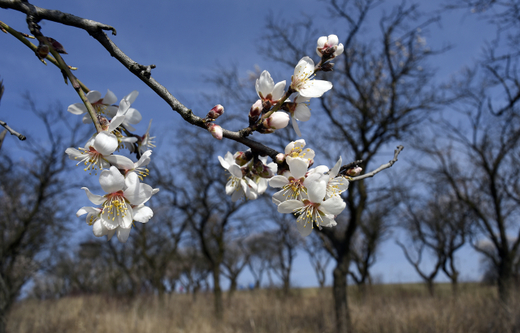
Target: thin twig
(382,167)
(12,131)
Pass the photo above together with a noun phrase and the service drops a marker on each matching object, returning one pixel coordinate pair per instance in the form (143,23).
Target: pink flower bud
(256,109)
(277,120)
(215,112)
(354,171)
(216,131)
(280,158)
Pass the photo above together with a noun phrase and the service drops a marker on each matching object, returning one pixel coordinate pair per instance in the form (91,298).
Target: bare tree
(318,256)
(383,91)
(235,260)
(261,251)
(286,241)
(30,193)
(435,223)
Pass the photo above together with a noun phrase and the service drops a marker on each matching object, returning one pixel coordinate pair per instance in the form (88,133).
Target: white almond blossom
(295,149)
(293,183)
(336,184)
(94,154)
(303,82)
(267,90)
(329,44)
(124,194)
(238,185)
(101,105)
(299,110)
(314,210)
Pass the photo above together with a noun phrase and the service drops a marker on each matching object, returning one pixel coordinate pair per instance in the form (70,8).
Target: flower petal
(111,180)
(333,205)
(289,206)
(94,198)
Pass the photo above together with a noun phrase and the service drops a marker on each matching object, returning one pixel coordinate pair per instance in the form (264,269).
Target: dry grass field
(386,308)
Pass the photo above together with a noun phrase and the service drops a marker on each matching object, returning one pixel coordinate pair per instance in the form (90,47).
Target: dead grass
(386,308)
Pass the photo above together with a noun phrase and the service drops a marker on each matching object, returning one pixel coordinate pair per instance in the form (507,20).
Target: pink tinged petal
(94,198)
(142,213)
(334,205)
(302,112)
(298,167)
(278,90)
(122,234)
(93,96)
(295,126)
(316,190)
(304,229)
(105,143)
(111,180)
(77,108)
(278,181)
(121,162)
(131,96)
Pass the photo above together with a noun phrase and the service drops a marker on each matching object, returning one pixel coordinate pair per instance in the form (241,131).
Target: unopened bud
(241,157)
(327,67)
(216,131)
(56,45)
(256,109)
(280,158)
(42,51)
(215,112)
(277,120)
(354,171)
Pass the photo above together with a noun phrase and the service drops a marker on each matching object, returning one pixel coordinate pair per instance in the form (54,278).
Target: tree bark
(339,292)
(217,294)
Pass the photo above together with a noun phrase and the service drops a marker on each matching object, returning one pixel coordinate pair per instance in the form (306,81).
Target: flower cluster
(313,195)
(120,178)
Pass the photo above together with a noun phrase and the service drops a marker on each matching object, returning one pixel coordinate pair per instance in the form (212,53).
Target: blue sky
(185,40)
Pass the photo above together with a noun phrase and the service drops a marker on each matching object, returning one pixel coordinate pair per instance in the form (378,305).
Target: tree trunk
(431,287)
(339,290)
(217,293)
(505,285)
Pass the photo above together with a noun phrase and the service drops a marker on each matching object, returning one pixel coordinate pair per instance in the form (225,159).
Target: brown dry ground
(385,308)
